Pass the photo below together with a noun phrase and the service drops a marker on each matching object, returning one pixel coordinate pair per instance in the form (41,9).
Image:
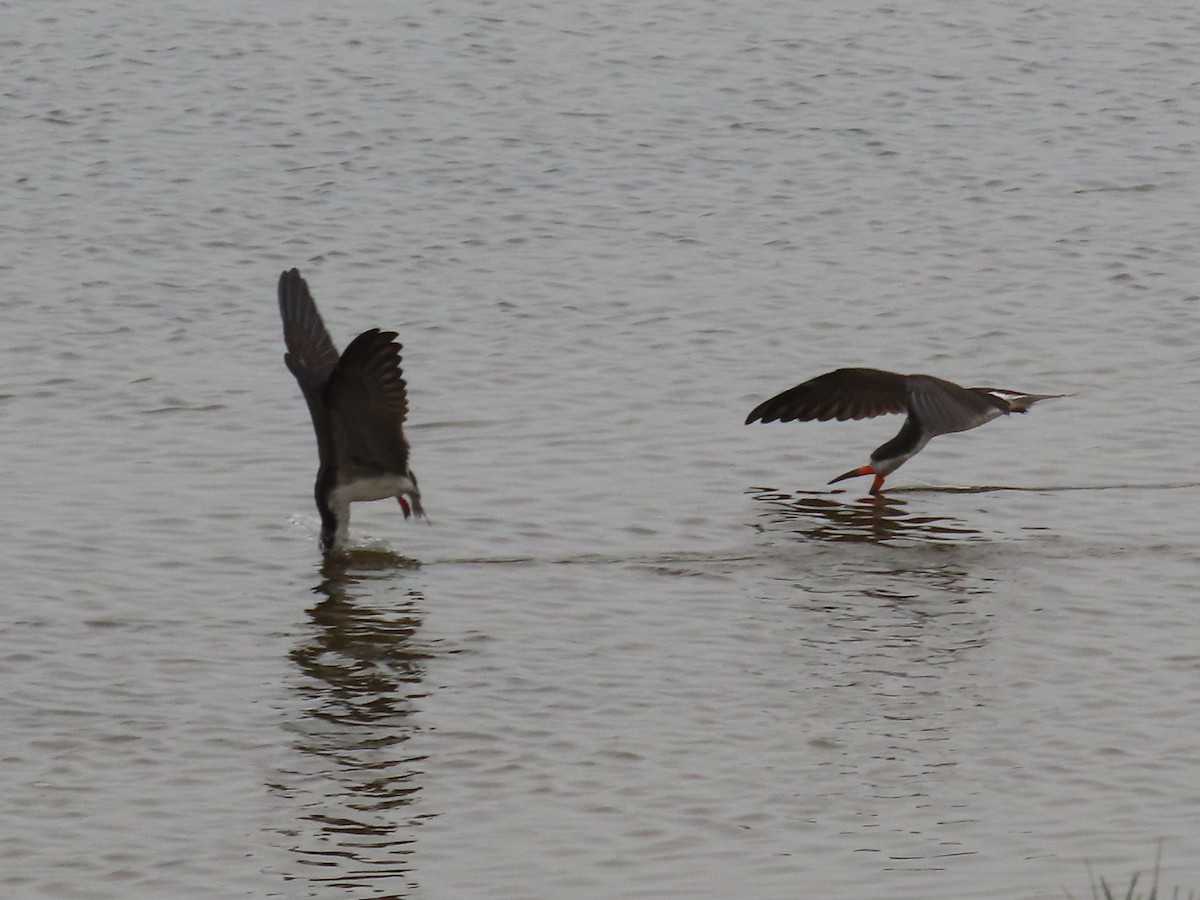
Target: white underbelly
(371,489)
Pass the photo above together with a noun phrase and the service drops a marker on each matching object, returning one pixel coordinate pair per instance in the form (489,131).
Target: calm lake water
(642,651)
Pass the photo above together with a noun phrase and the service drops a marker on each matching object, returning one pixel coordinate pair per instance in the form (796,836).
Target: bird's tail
(410,501)
(1017,401)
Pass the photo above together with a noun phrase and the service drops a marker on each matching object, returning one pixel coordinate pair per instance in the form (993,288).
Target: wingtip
(292,288)
(760,413)
(374,337)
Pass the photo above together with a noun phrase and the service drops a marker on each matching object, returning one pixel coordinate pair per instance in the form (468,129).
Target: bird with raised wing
(933,406)
(358,402)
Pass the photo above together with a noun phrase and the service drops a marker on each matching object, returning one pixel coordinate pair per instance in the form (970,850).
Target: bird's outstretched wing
(842,394)
(311,355)
(367,401)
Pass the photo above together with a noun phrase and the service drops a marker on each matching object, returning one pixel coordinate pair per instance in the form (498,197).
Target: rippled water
(642,651)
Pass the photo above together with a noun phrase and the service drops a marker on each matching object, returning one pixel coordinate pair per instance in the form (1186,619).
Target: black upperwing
(842,394)
(311,355)
(367,402)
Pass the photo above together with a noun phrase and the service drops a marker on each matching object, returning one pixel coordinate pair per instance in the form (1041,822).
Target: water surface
(642,651)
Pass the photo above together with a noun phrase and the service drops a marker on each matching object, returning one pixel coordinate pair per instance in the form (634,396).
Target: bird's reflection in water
(883,622)
(361,671)
(832,516)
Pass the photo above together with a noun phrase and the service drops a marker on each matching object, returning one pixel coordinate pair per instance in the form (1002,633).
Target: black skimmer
(934,406)
(358,402)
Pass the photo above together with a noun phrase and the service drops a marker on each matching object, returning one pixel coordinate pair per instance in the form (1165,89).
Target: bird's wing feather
(367,401)
(942,407)
(311,355)
(842,394)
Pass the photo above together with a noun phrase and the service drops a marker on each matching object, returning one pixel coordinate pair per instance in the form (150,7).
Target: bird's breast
(377,487)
